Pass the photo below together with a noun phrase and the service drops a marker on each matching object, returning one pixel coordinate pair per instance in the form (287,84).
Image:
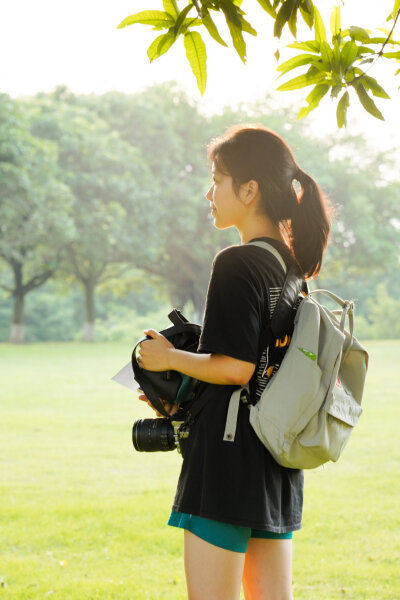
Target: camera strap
(197,404)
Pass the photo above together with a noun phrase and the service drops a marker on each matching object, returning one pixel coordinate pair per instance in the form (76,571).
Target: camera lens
(153,435)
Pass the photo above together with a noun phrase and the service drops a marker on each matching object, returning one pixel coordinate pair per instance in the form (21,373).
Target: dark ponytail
(309,226)
(248,152)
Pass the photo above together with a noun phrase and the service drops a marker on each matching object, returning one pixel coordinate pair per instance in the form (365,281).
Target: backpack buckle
(245,396)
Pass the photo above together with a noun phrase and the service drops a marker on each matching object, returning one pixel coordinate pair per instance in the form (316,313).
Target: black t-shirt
(239,482)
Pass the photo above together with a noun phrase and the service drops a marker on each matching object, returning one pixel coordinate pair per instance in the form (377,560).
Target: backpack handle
(332,296)
(347,310)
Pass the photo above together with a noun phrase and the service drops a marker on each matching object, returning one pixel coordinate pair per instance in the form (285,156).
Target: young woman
(237,506)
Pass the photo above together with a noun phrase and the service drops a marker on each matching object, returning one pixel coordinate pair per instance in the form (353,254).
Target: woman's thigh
(212,573)
(267,571)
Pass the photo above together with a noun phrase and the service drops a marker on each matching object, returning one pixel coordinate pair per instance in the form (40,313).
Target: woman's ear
(249,191)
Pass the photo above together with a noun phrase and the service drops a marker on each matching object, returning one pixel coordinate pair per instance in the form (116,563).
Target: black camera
(159,435)
(170,433)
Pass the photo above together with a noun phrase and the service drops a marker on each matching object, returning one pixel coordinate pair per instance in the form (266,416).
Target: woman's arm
(158,354)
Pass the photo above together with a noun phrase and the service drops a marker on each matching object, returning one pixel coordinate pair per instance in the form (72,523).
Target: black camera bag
(171,386)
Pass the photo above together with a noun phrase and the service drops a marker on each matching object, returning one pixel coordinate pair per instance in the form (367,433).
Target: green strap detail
(308,353)
(184,388)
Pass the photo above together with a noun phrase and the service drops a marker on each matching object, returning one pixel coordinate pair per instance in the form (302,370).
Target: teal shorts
(223,535)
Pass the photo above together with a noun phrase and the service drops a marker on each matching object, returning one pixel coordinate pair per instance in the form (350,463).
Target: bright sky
(46,43)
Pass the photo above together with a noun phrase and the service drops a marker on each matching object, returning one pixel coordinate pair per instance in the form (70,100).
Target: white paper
(125,377)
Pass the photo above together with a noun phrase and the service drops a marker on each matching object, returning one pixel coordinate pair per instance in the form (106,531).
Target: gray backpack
(310,406)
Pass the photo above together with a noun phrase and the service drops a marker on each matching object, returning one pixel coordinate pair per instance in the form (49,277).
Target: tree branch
(378,54)
(77,271)
(390,34)
(198,8)
(98,273)
(120,272)
(37,281)
(7,289)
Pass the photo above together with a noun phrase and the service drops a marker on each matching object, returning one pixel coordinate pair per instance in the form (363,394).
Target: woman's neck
(261,227)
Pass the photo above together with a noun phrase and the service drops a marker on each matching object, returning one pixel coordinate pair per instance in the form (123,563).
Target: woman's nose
(209,194)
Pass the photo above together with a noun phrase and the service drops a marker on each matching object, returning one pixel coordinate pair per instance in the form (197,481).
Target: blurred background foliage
(104,222)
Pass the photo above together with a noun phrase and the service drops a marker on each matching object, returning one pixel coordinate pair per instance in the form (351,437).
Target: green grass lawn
(82,516)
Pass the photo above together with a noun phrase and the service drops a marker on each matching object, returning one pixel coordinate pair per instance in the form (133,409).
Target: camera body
(159,435)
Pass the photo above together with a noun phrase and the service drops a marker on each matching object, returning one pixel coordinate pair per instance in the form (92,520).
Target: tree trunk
(90,315)
(198,305)
(17,335)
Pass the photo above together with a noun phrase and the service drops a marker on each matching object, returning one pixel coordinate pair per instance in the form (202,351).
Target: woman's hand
(170,408)
(154,354)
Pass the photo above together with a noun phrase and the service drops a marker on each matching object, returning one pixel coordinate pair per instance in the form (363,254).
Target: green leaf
(283,16)
(267,6)
(320,34)
(366,61)
(311,46)
(335,21)
(234,25)
(367,101)
(336,65)
(231,12)
(197,57)
(191,22)
(377,40)
(348,54)
(293,22)
(335,90)
(171,7)
(277,55)
(392,55)
(307,13)
(326,54)
(312,76)
(359,34)
(212,29)
(313,99)
(247,27)
(149,17)
(296,61)
(181,19)
(341,111)
(304,112)
(160,45)
(396,7)
(365,50)
(316,95)
(376,89)
(308,6)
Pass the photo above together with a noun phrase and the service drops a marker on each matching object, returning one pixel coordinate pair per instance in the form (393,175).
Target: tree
(336,65)
(35,226)
(111,189)
(171,136)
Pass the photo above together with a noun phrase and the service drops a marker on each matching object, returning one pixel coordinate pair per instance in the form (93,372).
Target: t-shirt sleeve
(232,316)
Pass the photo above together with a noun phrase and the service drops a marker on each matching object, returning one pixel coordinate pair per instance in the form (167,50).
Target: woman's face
(226,207)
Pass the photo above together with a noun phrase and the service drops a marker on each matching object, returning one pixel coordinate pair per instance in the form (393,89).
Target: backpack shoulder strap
(284,309)
(270,249)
